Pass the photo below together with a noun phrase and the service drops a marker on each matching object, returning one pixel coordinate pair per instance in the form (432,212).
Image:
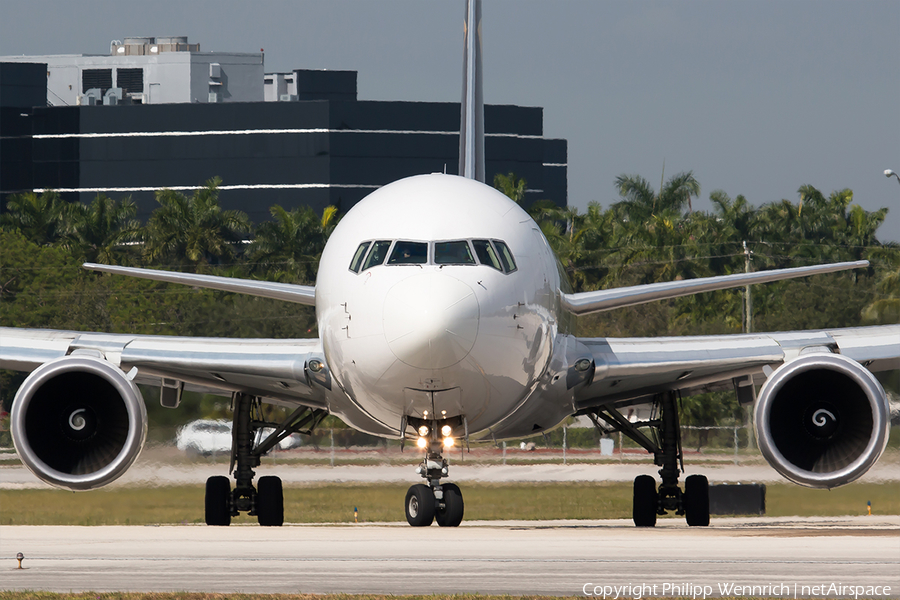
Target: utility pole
(748,301)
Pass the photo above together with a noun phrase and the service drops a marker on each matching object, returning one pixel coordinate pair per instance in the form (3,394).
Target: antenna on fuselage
(471,125)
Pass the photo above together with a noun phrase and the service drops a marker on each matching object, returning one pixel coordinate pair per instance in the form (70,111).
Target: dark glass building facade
(326,148)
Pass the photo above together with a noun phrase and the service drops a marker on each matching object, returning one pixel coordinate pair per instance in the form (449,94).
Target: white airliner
(444,318)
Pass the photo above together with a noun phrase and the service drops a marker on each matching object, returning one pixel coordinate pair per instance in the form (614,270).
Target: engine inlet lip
(137,422)
(873,391)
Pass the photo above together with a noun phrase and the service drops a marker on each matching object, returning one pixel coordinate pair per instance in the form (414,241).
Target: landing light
(583,364)
(421,442)
(445,430)
(423,430)
(448,442)
(316,365)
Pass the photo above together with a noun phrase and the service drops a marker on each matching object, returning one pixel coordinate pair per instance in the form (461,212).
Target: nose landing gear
(432,501)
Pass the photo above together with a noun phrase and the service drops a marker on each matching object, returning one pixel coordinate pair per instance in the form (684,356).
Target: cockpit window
(506,257)
(358,257)
(486,254)
(409,253)
(377,254)
(453,253)
(491,253)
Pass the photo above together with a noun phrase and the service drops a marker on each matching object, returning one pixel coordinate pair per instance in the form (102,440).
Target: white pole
(735,444)
(748,299)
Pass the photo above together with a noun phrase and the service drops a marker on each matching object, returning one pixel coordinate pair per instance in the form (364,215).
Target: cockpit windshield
(453,253)
(506,257)
(377,254)
(409,253)
(356,263)
(490,253)
(486,254)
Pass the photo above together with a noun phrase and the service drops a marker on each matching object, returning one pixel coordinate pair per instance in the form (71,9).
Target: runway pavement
(559,558)
(161,473)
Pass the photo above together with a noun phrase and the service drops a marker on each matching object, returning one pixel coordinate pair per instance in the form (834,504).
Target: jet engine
(78,422)
(822,420)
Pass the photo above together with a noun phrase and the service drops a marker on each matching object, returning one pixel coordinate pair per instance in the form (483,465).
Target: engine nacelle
(822,420)
(78,422)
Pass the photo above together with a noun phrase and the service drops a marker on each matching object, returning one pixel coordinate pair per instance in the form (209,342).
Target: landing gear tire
(270,501)
(696,501)
(645,501)
(218,501)
(420,505)
(451,515)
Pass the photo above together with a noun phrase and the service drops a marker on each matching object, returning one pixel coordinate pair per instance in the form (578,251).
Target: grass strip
(334,503)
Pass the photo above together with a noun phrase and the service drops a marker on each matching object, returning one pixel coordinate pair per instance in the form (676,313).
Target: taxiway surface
(148,473)
(558,557)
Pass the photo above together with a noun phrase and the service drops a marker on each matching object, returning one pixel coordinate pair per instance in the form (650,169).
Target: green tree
(885,309)
(194,229)
(39,218)
(640,201)
(514,187)
(99,232)
(288,248)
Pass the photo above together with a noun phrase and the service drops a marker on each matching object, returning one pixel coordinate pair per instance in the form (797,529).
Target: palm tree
(38,217)
(289,246)
(886,308)
(640,201)
(194,229)
(98,232)
(736,216)
(514,187)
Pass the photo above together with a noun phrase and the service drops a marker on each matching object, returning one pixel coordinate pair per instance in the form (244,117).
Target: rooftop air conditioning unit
(288,98)
(92,97)
(113,97)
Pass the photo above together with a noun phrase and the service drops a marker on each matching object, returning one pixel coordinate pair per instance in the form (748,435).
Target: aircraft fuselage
(425,314)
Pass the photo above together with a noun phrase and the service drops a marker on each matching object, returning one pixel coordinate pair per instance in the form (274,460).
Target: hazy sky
(757,98)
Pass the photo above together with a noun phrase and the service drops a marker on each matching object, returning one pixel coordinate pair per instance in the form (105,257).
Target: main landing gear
(433,501)
(266,500)
(649,502)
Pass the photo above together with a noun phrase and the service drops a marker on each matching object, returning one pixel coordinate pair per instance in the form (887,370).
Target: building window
(96,78)
(130,80)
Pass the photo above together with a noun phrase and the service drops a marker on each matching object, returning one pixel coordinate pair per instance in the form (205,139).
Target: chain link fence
(563,445)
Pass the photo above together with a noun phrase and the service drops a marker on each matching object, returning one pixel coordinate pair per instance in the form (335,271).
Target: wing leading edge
(274,369)
(298,294)
(629,370)
(583,303)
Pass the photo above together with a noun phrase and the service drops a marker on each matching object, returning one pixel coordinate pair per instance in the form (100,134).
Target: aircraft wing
(278,370)
(583,303)
(289,292)
(632,370)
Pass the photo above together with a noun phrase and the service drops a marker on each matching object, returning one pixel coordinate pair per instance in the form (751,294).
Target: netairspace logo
(689,590)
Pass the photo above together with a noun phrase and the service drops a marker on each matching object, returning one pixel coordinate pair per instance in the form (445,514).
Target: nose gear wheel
(432,501)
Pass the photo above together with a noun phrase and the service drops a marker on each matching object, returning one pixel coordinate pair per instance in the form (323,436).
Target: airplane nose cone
(431,320)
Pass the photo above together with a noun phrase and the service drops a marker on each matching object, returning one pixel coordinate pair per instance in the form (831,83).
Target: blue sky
(757,98)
